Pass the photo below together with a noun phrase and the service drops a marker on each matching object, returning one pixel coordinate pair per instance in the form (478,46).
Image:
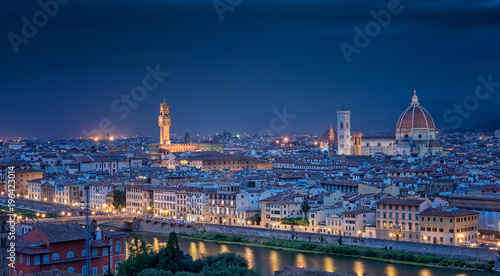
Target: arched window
(21,273)
(84,252)
(118,246)
(14,273)
(70,254)
(84,270)
(55,256)
(70,269)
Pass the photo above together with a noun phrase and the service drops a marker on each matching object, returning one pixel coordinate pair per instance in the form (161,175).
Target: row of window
(403,208)
(403,216)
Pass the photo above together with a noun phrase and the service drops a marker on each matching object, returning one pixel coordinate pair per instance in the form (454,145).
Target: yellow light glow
(111,138)
(96,139)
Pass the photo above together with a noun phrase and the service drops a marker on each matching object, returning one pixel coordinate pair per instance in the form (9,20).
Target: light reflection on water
(267,260)
(359,268)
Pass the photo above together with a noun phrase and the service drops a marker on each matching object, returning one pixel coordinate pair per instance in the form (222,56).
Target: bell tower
(164,122)
(344,132)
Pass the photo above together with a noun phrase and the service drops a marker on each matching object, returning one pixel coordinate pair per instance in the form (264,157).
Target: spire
(164,99)
(331,134)
(414,99)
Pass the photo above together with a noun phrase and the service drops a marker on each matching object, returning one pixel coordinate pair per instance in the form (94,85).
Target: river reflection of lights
(390,270)
(359,268)
(329,264)
(193,250)
(249,256)
(202,250)
(300,260)
(425,272)
(156,245)
(224,248)
(274,260)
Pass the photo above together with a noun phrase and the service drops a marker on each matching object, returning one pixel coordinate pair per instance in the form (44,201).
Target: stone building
(398,219)
(449,226)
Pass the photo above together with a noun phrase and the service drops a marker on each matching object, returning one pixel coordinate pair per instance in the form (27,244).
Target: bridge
(111,220)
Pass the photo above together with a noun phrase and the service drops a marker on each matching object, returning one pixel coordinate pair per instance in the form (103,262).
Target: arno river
(266,260)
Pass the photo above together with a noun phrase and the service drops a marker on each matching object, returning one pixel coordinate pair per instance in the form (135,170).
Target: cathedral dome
(415,122)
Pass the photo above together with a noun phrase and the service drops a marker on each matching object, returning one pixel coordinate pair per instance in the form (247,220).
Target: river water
(266,260)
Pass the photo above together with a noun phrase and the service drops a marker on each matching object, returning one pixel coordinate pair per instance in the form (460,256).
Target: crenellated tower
(164,122)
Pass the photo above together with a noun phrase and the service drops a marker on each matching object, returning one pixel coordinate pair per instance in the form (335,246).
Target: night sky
(231,74)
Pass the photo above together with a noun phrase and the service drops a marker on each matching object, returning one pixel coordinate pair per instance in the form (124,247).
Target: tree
(171,257)
(140,258)
(256,219)
(119,199)
(304,207)
(227,264)
(155,272)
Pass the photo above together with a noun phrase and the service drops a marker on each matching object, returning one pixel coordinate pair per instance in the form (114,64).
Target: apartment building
(398,219)
(449,226)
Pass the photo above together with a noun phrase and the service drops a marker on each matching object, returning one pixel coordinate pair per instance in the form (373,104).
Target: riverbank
(27,212)
(345,250)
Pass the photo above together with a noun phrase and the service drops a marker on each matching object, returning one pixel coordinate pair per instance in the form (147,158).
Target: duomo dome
(415,123)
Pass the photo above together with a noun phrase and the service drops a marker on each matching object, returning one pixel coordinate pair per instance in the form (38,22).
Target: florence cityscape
(250,137)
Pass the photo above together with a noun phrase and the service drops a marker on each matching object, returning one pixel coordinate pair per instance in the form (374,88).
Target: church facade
(415,135)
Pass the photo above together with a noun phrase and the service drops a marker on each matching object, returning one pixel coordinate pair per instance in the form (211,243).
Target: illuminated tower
(356,143)
(331,142)
(164,122)
(344,132)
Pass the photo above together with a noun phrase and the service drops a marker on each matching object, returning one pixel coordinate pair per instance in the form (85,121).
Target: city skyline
(231,73)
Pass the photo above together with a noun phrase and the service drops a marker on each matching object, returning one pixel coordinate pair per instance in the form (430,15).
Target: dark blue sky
(230,74)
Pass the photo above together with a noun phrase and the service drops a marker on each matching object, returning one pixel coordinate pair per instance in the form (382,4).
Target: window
(70,255)
(45,258)
(70,269)
(84,270)
(105,252)
(37,259)
(94,271)
(27,259)
(20,258)
(118,246)
(94,252)
(55,256)
(84,252)
(105,269)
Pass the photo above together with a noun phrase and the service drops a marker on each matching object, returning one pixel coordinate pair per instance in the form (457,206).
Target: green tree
(171,257)
(155,272)
(108,273)
(189,265)
(140,258)
(256,219)
(227,264)
(304,207)
(119,199)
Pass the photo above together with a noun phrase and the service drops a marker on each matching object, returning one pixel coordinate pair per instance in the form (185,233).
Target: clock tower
(164,122)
